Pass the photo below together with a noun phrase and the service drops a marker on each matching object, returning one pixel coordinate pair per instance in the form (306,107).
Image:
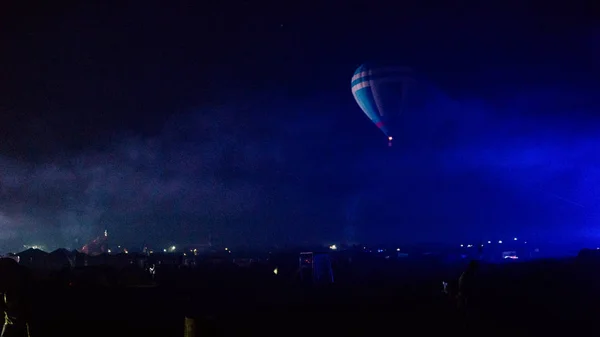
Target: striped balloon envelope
(381,92)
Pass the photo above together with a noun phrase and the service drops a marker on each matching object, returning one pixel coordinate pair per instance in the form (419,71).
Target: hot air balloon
(381,93)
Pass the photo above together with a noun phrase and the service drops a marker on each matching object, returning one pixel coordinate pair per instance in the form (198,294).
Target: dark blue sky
(168,122)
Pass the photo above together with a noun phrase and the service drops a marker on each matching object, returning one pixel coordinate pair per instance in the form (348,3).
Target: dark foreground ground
(541,298)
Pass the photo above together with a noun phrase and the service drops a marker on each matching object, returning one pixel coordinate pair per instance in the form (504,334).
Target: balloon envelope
(381,92)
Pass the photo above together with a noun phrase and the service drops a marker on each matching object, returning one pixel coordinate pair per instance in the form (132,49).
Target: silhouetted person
(14,298)
(467,284)
(15,315)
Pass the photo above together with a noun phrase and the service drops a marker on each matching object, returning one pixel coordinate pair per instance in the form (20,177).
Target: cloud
(8,227)
(196,174)
(283,169)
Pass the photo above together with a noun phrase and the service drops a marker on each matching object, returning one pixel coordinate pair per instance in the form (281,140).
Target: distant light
(109,251)
(469,246)
(165,250)
(333,247)
(34,247)
(275,271)
(500,241)
(226,248)
(390,138)
(525,242)
(515,239)
(173,248)
(397,249)
(489,241)
(462,245)
(481,245)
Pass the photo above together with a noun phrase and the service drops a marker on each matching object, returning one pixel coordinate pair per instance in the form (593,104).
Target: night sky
(167,123)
